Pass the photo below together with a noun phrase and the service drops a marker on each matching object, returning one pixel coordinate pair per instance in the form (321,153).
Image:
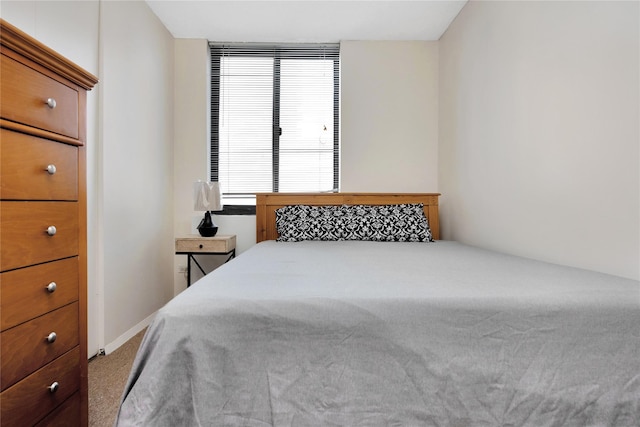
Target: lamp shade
(206,196)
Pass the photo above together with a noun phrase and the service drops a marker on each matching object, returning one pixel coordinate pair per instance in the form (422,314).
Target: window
(274,119)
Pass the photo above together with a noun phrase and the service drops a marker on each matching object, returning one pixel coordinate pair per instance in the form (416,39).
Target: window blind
(274,118)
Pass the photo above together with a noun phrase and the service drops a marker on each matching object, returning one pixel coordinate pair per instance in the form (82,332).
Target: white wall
(539,131)
(389,117)
(137,169)
(191,135)
(129,153)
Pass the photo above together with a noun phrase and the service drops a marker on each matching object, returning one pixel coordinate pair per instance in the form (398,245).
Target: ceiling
(306,20)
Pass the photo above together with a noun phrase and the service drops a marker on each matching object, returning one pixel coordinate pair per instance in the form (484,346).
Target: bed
(360,332)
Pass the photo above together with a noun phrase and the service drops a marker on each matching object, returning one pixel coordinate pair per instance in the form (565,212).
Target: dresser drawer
(31,345)
(25,240)
(65,415)
(31,400)
(34,168)
(29,292)
(25,92)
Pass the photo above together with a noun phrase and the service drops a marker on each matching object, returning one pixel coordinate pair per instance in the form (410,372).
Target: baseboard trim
(109,348)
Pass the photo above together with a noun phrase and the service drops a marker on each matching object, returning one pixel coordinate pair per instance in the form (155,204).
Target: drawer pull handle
(51,169)
(52,337)
(51,287)
(51,230)
(51,103)
(54,387)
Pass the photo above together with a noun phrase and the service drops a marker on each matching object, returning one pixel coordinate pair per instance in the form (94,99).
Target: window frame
(277,52)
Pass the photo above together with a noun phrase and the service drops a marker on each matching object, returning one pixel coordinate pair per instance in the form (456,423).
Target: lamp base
(208,232)
(207,228)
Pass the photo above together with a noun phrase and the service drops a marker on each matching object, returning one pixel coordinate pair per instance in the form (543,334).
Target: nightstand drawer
(31,399)
(217,244)
(29,292)
(33,344)
(25,239)
(25,93)
(34,168)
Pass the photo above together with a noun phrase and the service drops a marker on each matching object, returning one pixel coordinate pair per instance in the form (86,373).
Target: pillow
(381,223)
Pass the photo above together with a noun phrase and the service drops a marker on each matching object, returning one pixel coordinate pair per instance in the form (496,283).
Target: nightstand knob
(201,246)
(51,287)
(51,103)
(51,230)
(54,387)
(51,169)
(51,337)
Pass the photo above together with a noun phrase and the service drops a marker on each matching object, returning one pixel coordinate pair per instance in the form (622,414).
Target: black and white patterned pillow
(382,223)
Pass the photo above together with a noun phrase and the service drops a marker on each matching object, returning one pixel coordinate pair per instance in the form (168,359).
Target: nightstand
(197,245)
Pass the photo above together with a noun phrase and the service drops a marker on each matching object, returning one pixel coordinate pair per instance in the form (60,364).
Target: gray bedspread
(390,334)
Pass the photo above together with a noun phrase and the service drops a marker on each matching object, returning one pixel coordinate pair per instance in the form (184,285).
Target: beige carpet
(107,378)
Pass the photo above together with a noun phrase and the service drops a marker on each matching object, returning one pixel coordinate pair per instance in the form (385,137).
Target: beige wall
(389,116)
(137,166)
(539,131)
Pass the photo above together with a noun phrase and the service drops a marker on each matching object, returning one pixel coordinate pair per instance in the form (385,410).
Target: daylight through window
(274,119)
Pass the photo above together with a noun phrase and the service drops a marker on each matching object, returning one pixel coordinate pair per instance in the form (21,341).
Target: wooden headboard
(267,203)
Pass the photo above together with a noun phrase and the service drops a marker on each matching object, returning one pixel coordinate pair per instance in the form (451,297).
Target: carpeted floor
(107,378)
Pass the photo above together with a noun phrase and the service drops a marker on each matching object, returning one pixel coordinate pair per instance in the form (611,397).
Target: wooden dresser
(43,249)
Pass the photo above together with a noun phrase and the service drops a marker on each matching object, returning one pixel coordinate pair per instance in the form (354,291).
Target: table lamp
(206,197)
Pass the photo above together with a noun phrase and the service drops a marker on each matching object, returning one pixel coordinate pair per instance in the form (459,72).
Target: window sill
(236,210)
